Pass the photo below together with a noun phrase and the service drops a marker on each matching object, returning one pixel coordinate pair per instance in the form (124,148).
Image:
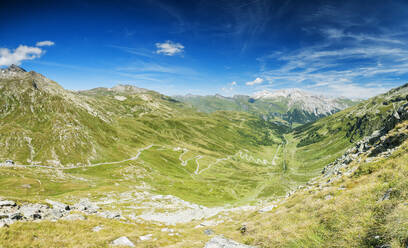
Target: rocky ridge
(380,143)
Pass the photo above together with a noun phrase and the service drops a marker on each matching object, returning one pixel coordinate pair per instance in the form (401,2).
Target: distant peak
(281,93)
(221,96)
(126,88)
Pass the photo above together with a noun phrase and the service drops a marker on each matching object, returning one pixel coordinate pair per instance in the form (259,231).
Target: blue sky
(342,48)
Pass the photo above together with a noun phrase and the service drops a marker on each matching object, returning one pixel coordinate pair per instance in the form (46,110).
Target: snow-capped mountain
(303,100)
(291,105)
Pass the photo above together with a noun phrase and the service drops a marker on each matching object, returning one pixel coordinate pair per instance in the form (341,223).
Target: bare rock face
(222,242)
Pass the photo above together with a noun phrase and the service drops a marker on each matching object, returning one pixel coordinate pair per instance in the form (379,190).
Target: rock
(110,215)
(74,217)
(31,211)
(208,232)
(123,241)
(58,205)
(37,216)
(87,206)
(7,203)
(2,224)
(243,229)
(54,214)
(267,208)
(4,216)
(174,234)
(328,197)
(396,115)
(146,237)
(16,216)
(222,242)
(27,186)
(97,228)
(165,229)
(386,195)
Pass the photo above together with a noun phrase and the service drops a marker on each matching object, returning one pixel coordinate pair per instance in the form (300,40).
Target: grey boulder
(123,241)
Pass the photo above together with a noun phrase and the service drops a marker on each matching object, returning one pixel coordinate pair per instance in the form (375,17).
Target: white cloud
(229,89)
(256,81)
(169,48)
(19,54)
(45,43)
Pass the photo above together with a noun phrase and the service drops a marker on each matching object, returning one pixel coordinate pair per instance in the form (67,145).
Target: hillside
(95,165)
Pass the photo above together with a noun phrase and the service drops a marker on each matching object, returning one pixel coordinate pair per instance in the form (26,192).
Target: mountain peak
(126,88)
(12,70)
(15,68)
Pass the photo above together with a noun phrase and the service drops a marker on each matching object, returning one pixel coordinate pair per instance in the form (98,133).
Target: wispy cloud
(136,51)
(156,67)
(257,80)
(45,43)
(169,48)
(344,63)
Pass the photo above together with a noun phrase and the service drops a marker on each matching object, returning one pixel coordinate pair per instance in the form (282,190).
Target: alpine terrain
(127,166)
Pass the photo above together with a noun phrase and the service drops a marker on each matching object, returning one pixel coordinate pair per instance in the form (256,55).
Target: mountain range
(289,106)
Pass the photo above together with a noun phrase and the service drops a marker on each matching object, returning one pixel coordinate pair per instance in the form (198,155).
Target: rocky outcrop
(11,212)
(381,143)
(222,242)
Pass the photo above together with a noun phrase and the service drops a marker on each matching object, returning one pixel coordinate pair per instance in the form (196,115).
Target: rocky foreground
(11,212)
